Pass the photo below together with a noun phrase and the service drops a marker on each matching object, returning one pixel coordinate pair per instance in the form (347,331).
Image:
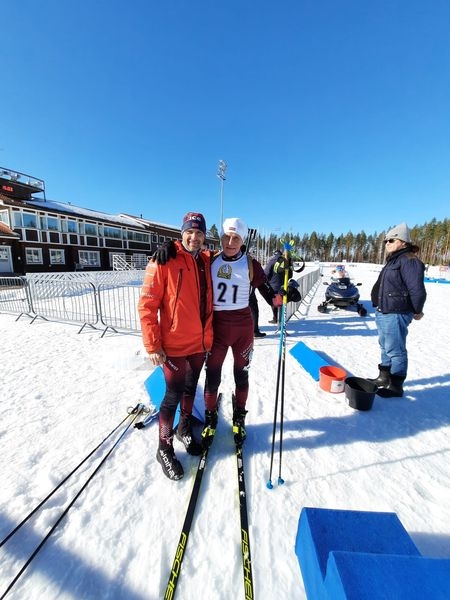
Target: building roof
(6,232)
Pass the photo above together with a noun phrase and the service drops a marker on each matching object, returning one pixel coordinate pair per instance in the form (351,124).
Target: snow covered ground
(63,392)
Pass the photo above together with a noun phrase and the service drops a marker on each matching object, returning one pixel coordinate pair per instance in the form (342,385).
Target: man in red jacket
(175,310)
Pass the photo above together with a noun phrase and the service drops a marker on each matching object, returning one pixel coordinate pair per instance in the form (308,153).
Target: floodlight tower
(221,176)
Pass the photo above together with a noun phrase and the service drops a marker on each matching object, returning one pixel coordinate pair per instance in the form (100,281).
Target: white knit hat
(399,232)
(236,226)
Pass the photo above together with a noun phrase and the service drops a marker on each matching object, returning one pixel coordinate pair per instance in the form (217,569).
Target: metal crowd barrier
(106,300)
(14,297)
(306,287)
(118,307)
(64,300)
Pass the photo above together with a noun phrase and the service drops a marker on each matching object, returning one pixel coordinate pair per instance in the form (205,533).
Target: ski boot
(239,426)
(209,428)
(185,436)
(170,465)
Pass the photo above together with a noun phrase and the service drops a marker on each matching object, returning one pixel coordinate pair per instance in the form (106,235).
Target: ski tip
(280,481)
(269,485)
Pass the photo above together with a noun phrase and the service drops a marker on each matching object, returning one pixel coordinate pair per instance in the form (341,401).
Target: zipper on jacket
(179,283)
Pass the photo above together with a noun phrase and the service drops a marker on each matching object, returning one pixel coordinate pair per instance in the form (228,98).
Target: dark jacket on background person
(275,280)
(400,286)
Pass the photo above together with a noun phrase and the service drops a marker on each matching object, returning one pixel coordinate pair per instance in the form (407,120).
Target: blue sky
(332,115)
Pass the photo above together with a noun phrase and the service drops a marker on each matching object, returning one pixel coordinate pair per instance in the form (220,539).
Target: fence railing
(306,287)
(128,263)
(98,299)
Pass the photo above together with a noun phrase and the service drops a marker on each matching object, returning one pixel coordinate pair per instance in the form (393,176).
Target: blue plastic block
(309,359)
(361,576)
(321,531)
(155,384)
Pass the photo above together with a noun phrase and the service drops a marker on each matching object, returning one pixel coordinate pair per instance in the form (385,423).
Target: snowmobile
(342,293)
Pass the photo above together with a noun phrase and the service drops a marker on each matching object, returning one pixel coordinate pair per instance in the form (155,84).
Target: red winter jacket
(169,306)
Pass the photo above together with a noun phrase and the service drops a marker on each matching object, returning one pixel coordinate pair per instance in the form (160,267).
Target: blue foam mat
(155,385)
(309,359)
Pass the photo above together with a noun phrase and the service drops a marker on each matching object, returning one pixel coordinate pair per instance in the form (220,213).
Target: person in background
(399,296)
(339,272)
(275,279)
(253,303)
(175,309)
(233,274)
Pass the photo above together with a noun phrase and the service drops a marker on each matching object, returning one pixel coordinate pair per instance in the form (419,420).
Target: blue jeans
(392,332)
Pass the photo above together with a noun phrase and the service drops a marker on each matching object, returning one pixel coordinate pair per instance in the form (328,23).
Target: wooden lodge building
(38,235)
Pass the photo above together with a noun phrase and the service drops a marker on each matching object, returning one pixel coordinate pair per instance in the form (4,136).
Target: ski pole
(281,369)
(136,412)
(277,387)
(55,489)
(287,248)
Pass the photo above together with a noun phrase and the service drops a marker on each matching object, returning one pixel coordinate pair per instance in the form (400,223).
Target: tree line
(433,240)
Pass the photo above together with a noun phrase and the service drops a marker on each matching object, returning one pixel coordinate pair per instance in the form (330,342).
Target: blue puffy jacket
(400,286)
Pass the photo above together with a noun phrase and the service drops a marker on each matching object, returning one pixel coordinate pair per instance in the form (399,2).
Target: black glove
(164,253)
(293,295)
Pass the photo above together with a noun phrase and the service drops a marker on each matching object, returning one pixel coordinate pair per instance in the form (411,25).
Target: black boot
(185,436)
(209,429)
(239,426)
(170,465)
(394,389)
(383,378)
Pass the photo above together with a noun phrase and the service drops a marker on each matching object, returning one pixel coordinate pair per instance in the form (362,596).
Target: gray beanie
(399,232)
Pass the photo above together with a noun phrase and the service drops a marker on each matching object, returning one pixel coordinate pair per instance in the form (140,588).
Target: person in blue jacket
(399,296)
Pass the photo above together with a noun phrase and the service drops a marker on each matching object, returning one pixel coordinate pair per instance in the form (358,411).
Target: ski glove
(164,253)
(293,295)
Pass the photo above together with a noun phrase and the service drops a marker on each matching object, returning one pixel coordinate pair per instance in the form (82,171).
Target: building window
(33,256)
(137,236)
(32,235)
(4,218)
(17,219)
(89,258)
(90,229)
(112,232)
(49,223)
(54,237)
(29,220)
(57,257)
(72,226)
(52,224)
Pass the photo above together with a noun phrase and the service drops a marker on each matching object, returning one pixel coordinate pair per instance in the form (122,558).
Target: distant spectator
(275,279)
